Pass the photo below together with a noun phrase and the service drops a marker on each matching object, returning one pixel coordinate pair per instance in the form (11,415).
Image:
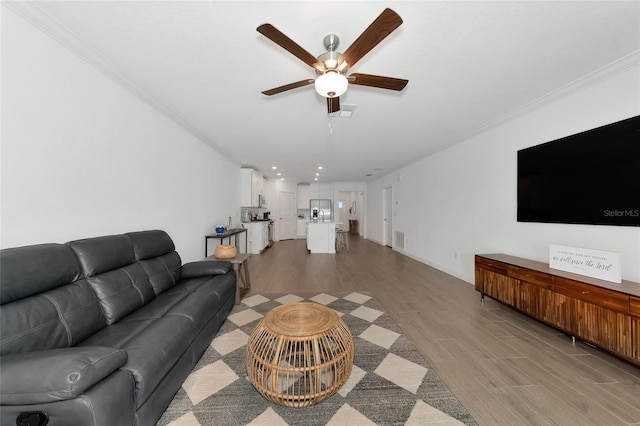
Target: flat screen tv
(591,177)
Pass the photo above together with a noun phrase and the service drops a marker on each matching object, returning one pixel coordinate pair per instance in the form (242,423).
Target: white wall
(462,201)
(82,157)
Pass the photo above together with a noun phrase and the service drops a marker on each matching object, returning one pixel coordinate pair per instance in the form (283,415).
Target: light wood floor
(505,368)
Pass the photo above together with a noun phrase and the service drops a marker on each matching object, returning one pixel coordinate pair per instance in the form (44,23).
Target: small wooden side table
(243,281)
(353,226)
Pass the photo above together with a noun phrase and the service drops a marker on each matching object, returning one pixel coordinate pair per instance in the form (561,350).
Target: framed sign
(604,265)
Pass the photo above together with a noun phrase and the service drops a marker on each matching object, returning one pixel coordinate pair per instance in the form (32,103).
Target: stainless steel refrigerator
(320,210)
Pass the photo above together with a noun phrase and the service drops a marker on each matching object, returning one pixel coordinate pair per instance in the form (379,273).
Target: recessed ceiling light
(274,167)
(281,178)
(320,167)
(315,178)
(317,174)
(279,174)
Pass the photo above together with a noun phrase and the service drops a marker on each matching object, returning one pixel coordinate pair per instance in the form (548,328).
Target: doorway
(350,207)
(287,216)
(387,216)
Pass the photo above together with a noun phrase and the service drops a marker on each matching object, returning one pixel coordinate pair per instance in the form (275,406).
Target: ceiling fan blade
(333,104)
(275,35)
(379,29)
(378,81)
(289,86)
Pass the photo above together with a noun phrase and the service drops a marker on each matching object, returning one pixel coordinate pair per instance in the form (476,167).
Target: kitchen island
(321,237)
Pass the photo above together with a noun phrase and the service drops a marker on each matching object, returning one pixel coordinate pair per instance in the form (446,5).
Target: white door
(287,220)
(387,214)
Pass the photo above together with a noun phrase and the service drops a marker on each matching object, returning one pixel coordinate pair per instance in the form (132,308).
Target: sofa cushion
(122,291)
(59,318)
(119,282)
(153,352)
(25,271)
(45,305)
(201,305)
(117,335)
(150,244)
(155,251)
(163,271)
(103,254)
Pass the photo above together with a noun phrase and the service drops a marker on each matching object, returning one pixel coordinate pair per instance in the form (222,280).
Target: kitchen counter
(321,237)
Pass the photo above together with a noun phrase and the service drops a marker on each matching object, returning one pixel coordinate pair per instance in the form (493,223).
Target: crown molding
(35,15)
(604,73)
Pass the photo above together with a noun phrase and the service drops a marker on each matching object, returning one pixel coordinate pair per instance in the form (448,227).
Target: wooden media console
(602,313)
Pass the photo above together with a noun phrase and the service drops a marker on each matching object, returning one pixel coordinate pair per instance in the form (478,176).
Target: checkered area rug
(390,383)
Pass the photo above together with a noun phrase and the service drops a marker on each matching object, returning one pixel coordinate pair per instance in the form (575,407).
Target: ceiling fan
(332,66)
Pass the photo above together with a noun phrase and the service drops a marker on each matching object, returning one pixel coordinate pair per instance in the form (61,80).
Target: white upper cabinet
(304,195)
(251,187)
(321,191)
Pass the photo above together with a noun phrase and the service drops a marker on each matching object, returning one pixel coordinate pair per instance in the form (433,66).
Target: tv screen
(591,177)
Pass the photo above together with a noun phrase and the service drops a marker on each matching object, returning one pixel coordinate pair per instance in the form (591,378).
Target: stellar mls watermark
(622,213)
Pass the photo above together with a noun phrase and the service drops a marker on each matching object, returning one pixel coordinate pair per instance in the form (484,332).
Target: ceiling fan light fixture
(331,84)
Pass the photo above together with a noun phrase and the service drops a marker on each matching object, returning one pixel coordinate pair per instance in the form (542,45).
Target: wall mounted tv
(591,177)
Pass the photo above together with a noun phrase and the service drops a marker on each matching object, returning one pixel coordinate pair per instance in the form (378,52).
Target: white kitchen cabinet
(302,228)
(257,237)
(251,187)
(304,195)
(321,191)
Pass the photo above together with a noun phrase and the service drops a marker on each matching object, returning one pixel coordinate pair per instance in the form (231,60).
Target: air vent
(400,240)
(346,110)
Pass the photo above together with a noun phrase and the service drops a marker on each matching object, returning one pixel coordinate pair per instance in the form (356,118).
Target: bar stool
(342,240)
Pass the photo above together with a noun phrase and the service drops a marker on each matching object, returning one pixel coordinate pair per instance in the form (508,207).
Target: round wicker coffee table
(299,354)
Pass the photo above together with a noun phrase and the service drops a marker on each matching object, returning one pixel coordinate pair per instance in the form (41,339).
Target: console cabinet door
(537,302)
(486,271)
(498,286)
(634,309)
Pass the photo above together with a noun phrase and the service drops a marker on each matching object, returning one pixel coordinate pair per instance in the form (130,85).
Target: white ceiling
(469,64)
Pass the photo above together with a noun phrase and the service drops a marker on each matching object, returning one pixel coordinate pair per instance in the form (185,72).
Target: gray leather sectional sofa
(103,331)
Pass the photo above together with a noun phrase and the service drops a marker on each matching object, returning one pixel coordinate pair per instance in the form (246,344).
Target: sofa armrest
(54,375)
(204,268)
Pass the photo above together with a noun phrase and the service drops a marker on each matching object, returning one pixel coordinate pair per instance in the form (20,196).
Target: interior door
(287,220)
(387,214)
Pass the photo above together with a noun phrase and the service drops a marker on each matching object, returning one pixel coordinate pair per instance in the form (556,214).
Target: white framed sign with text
(604,265)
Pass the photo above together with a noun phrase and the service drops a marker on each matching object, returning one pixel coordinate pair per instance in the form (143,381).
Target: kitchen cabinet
(251,187)
(304,195)
(321,191)
(258,236)
(302,228)
(602,313)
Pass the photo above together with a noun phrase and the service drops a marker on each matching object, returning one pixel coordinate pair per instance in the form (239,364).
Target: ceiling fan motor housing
(330,61)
